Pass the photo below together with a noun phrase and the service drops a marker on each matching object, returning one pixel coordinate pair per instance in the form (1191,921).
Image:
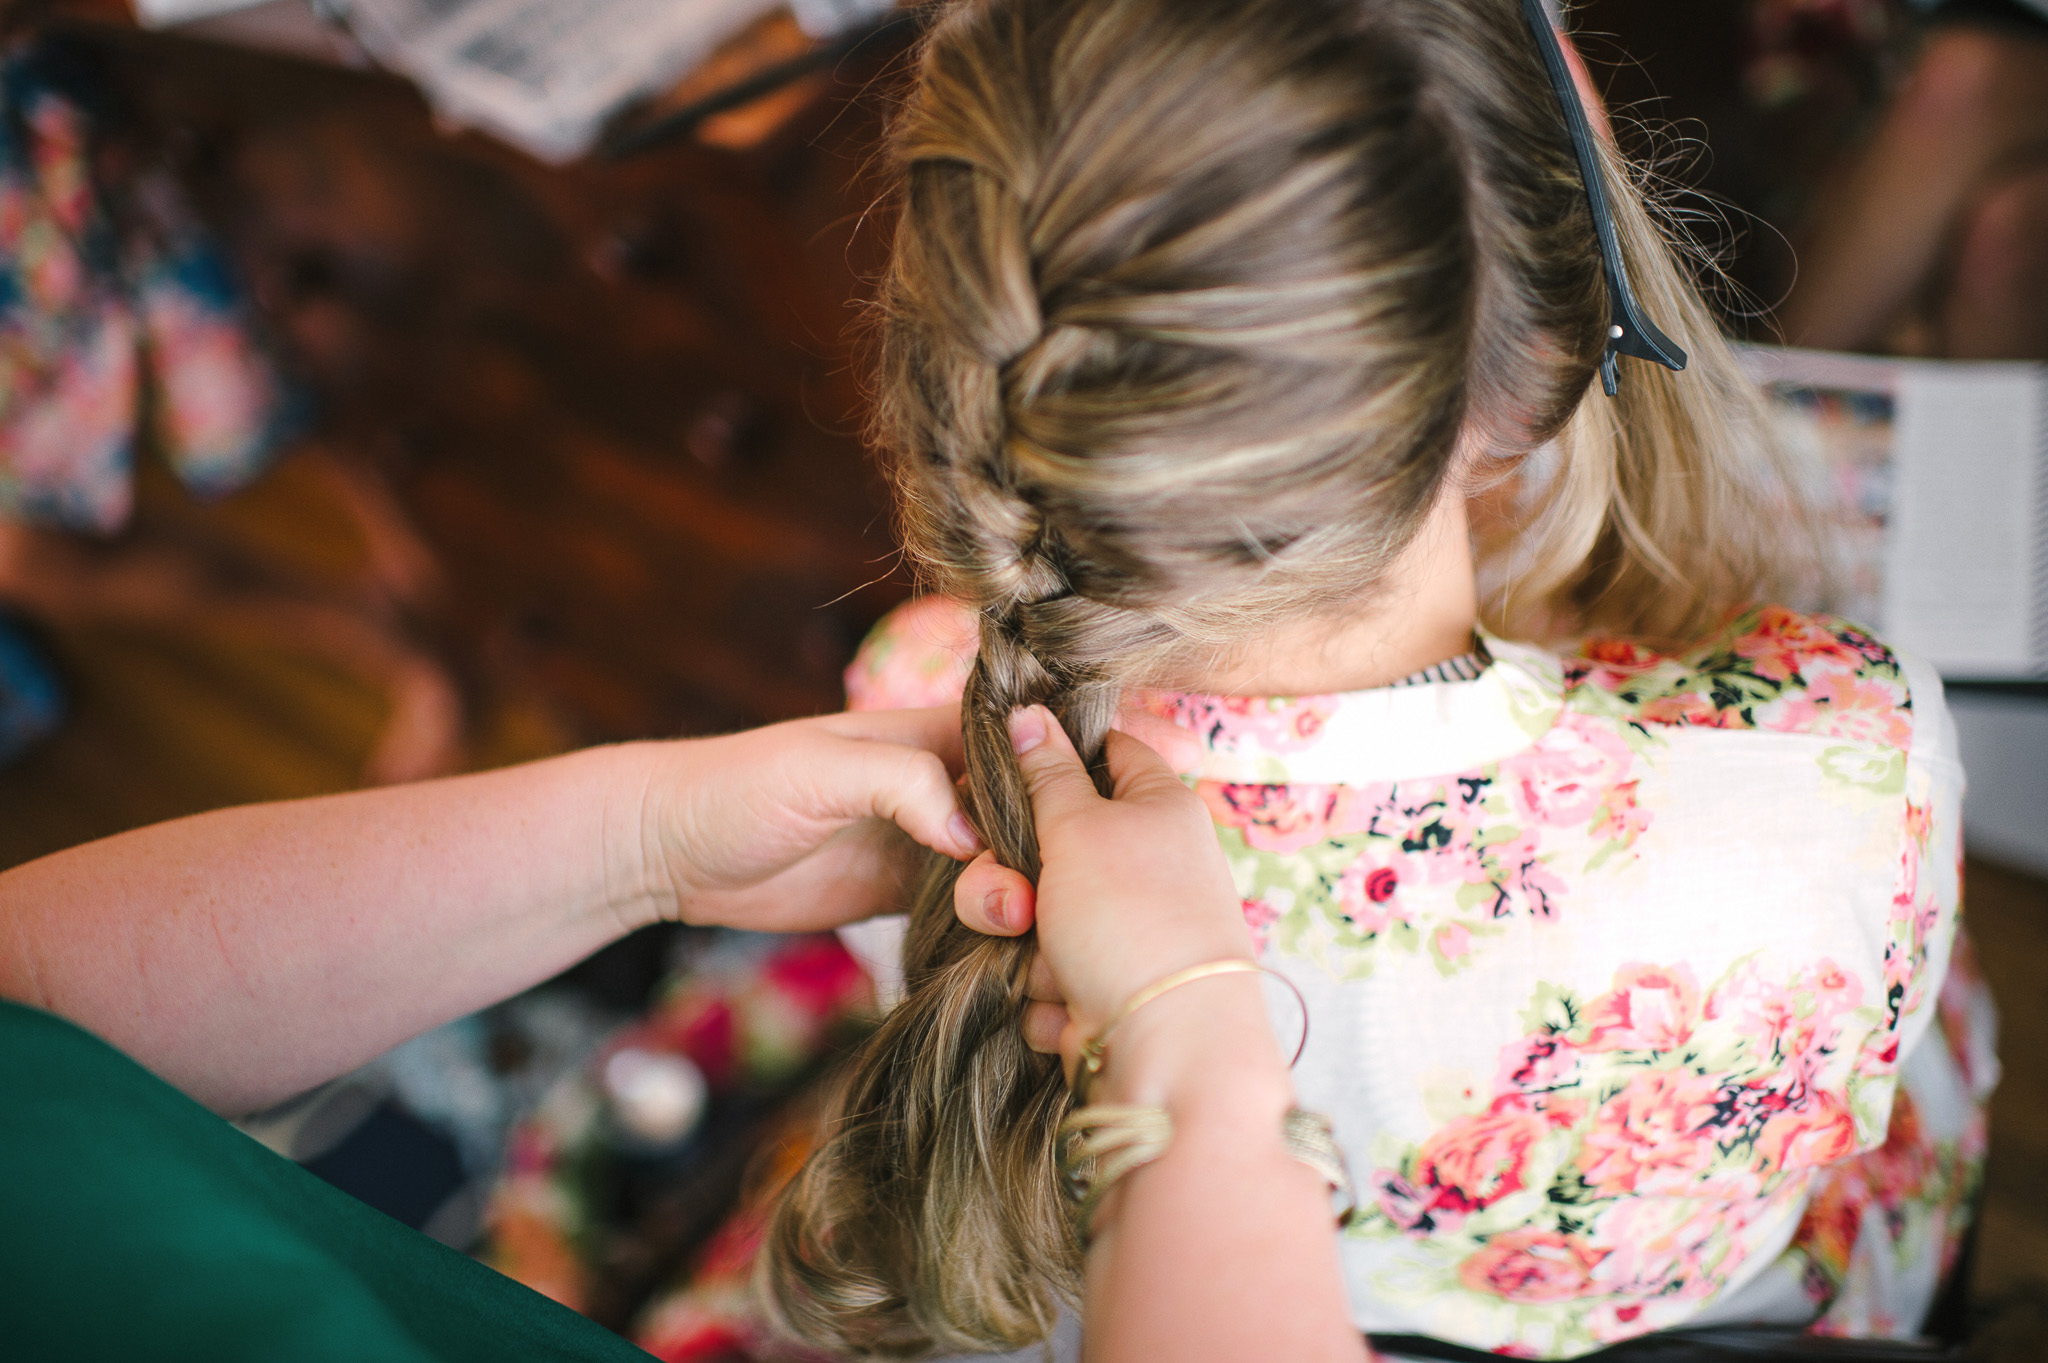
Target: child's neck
(1424,612)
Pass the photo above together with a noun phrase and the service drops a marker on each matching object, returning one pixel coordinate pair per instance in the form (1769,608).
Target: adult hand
(246,954)
(1134,887)
(803,825)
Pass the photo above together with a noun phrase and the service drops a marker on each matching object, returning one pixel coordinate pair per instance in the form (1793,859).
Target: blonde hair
(1192,304)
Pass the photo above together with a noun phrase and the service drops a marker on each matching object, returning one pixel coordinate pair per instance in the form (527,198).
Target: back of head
(1195,306)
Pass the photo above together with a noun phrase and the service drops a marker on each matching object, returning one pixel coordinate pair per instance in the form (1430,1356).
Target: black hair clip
(1630,332)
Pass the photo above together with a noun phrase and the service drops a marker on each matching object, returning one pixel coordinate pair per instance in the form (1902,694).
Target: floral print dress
(1637,994)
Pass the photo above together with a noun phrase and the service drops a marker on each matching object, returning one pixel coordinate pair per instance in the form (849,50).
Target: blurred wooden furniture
(618,405)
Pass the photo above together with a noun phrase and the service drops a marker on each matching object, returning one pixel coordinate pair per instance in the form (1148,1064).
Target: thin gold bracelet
(1095,1050)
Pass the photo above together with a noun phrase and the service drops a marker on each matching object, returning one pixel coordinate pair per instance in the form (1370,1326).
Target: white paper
(828,18)
(1964,573)
(545,74)
(163,13)
(1935,474)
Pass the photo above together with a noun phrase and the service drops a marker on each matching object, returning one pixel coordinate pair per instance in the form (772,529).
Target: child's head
(1194,301)
(1196,307)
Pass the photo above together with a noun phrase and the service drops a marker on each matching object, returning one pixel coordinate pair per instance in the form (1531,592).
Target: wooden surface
(616,407)
(2007,915)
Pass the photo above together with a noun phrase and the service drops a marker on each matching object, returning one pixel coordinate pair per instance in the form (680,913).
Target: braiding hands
(1134,887)
(800,826)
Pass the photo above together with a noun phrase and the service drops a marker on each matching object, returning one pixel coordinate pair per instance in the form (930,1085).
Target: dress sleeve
(918,655)
(1882,1229)
(1927,899)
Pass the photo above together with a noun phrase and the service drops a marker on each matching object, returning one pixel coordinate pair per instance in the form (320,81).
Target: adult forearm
(249,953)
(1222,1249)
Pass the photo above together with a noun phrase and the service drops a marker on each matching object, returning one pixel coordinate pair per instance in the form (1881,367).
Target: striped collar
(1453,716)
(1463,668)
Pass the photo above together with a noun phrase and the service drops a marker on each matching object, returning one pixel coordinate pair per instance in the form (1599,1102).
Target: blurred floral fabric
(576,1213)
(120,323)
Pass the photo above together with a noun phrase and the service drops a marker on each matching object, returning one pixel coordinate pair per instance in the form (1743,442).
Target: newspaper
(544,75)
(164,13)
(1936,476)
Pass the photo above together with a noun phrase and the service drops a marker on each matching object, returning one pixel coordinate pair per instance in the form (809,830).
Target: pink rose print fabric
(919,657)
(1629,974)
(1657,1100)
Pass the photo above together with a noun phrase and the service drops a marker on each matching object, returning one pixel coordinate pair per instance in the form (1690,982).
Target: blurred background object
(1900,145)
(543,75)
(1932,236)
(1937,475)
(578,455)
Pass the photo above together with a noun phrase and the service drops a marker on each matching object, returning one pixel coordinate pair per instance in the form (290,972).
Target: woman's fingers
(858,872)
(993,899)
(1044,1024)
(1059,785)
(1039,984)
(730,814)
(909,786)
(936,730)
(1137,772)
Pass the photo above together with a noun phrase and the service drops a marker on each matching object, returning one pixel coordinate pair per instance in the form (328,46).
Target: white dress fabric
(1636,990)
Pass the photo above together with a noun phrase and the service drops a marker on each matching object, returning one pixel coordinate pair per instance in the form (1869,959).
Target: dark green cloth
(135,1224)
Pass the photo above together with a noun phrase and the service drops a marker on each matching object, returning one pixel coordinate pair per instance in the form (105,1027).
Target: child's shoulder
(917,655)
(1772,669)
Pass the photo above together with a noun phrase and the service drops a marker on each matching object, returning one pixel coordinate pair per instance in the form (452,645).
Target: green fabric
(135,1224)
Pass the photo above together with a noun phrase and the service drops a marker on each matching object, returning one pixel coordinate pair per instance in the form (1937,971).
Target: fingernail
(962,833)
(996,908)
(1027,729)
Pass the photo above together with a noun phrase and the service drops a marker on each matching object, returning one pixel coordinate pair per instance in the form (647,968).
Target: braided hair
(1191,306)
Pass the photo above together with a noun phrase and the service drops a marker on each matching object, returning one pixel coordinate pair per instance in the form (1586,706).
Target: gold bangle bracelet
(1101,1144)
(1095,1050)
